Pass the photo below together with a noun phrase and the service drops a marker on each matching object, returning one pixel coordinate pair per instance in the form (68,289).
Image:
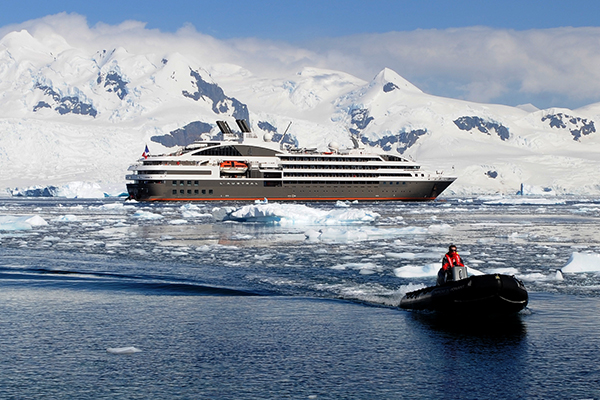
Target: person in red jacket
(451,259)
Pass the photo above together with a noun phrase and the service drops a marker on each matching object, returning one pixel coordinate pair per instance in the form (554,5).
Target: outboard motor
(459,273)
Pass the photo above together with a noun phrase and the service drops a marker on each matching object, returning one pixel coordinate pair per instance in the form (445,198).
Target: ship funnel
(243,125)
(224,127)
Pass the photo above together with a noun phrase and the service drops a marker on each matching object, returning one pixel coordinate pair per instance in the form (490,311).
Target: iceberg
(582,262)
(294,214)
(20,222)
(73,190)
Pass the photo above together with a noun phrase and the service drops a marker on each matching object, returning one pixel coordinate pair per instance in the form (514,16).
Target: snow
(85,156)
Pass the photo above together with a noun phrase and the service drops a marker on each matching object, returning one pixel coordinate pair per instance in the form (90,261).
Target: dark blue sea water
(263,310)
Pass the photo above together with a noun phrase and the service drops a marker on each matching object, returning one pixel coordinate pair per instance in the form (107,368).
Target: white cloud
(477,63)
(480,63)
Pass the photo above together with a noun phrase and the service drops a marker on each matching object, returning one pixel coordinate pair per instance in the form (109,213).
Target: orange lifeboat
(233,167)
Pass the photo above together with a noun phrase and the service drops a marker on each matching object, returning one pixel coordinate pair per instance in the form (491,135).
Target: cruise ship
(244,167)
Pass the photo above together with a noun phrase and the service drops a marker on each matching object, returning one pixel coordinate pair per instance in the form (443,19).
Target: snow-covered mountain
(70,114)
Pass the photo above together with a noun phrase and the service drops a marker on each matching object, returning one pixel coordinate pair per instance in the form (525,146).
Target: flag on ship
(146,152)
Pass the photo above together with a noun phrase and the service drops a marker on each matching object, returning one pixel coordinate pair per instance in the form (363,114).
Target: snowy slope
(77,114)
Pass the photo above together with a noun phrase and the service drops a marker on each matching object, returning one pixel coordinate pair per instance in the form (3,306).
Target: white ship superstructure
(245,167)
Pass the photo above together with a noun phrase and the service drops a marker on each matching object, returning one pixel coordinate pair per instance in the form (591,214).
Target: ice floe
(426,270)
(294,214)
(582,262)
(123,350)
(20,222)
(358,234)
(141,214)
(81,190)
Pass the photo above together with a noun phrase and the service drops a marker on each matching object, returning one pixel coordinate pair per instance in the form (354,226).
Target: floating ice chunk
(178,222)
(36,220)
(112,206)
(51,239)
(189,206)
(194,214)
(363,268)
(312,235)
(559,275)
(20,222)
(123,350)
(538,276)
(331,234)
(343,235)
(413,256)
(66,218)
(405,255)
(86,190)
(433,229)
(503,271)
(140,214)
(294,214)
(582,262)
(417,271)
(427,270)
(525,201)
(221,213)
(343,204)
(193,211)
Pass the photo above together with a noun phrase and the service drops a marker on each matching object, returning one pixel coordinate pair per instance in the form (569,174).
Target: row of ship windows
(344,175)
(330,159)
(286,182)
(182,183)
(363,167)
(342,183)
(189,191)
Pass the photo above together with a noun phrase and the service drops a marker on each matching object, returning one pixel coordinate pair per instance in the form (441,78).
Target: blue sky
(293,20)
(527,51)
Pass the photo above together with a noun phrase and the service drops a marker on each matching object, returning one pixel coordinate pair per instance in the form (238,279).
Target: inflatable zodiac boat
(493,294)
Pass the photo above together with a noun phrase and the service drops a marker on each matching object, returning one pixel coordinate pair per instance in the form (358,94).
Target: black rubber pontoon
(494,294)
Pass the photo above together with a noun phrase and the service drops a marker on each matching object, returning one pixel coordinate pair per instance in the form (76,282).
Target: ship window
(189,191)
(174,183)
(219,151)
(195,183)
(203,191)
(174,191)
(181,184)
(195,191)
(182,191)
(210,191)
(189,183)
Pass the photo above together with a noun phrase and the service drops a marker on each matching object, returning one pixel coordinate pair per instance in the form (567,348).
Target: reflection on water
(495,328)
